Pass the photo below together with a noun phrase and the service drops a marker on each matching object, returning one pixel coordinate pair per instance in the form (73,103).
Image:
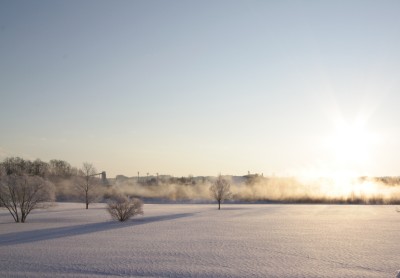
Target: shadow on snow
(54,233)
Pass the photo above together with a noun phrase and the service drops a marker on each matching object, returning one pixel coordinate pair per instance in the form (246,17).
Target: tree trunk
(219,204)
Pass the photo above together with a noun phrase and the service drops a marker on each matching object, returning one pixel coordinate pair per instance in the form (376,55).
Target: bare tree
(20,194)
(220,190)
(122,207)
(87,184)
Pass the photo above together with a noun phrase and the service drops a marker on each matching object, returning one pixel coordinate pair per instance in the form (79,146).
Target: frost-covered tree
(86,183)
(20,194)
(15,166)
(39,168)
(122,207)
(60,168)
(220,190)
(19,166)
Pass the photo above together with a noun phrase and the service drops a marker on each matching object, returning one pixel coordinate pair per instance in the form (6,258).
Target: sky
(203,87)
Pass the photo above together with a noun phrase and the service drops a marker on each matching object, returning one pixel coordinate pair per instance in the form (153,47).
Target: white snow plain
(197,240)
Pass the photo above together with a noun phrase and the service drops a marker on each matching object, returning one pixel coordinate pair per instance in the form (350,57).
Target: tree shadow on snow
(54,233)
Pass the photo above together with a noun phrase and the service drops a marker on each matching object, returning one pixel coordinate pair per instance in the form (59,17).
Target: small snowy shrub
(122,207)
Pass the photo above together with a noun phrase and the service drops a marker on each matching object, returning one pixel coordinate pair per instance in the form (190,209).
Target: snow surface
(197,240)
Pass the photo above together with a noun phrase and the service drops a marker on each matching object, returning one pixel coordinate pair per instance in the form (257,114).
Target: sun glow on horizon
(351,147)
(351,144)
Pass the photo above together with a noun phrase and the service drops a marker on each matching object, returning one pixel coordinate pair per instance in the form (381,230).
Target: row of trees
(52,169)
(27,185)
(22,194)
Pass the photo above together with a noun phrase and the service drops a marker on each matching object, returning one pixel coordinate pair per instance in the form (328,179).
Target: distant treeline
(246,188)
(60,173)
(390,181)
(52,169)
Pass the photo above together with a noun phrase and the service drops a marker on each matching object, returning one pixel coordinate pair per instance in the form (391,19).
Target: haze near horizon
(301,88)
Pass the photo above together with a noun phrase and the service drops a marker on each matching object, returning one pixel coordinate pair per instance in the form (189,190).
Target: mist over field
(68,180)
(255,188)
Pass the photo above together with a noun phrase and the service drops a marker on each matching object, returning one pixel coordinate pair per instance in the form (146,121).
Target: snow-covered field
(183,240)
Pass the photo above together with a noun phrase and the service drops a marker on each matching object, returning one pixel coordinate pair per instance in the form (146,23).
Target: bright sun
(351,144)
(351,147)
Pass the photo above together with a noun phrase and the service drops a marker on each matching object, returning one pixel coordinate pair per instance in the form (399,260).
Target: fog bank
(256,188)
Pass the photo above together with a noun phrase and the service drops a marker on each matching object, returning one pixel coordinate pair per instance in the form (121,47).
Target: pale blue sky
(202,87)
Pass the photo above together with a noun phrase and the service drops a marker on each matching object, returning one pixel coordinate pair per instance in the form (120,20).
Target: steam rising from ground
(170,191)
(274,189)
(322,190)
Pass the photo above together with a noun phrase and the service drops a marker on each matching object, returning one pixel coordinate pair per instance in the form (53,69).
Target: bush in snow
(122,207)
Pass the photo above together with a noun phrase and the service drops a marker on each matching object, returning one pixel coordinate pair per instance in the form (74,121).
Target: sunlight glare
(351,144)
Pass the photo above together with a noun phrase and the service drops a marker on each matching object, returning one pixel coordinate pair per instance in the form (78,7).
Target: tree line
(27,185)
(52,169)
